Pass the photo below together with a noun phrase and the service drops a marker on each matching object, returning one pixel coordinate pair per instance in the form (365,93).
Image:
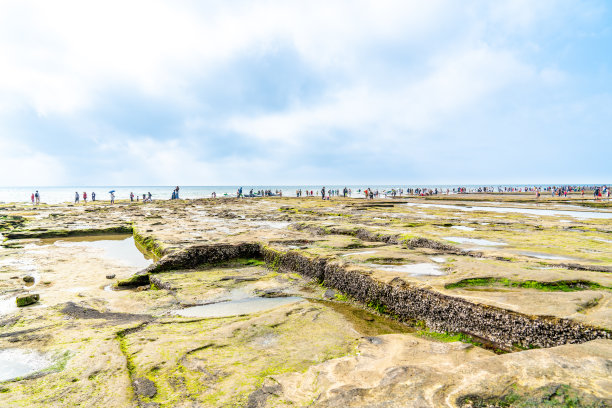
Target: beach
(461,300)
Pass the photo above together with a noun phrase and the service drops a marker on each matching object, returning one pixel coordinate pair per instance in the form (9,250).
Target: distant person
(32,198)
(131,196)
(323,193)
(93,196)
(84,196)
(37,197)
(177,192)
(150,197)
(76,197)
(112,198)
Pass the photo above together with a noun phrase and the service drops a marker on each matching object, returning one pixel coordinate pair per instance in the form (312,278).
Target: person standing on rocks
(32,198)
(112,198)
(76,197)
(323,193)
(85,197)
(93,196)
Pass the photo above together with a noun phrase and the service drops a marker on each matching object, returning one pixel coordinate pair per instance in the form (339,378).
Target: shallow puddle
(476,241)
(8,305)
(542,255)
(366,323)
(121,248)
(418,269)
(270,224)
(360,253)
(533,211)
(16,363)
(237,307)
(608,241)
(463,228)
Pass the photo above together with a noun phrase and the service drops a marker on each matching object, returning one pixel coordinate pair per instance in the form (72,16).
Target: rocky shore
(476,300)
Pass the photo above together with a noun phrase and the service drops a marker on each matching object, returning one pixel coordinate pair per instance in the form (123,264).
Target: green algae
(446,337)
(556,286)
(133,281)
(249,262)
(32,233)
(234,355)
(378,306)
(148,244)
(550,396)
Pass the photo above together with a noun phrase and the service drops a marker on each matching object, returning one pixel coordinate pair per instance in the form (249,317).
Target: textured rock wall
(204,254)
(440,312)
(405,302)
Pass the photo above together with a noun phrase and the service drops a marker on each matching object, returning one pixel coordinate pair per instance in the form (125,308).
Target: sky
(305,92)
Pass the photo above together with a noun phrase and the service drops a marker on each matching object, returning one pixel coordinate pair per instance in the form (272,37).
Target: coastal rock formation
(300,302)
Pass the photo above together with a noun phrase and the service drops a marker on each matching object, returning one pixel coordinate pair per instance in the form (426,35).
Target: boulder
(111,276)
(28,279)
(144,387)
(26,300)
(329,294)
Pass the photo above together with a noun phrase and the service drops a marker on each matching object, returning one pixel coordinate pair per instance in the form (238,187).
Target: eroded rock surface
(125,345)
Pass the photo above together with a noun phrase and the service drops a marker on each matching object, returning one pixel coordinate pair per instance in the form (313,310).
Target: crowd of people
(599,192)
(148,197)
(258,193)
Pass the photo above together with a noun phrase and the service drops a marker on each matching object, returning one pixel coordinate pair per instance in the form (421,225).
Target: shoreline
(549,269)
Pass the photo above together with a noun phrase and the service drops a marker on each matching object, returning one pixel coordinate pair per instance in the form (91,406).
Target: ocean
(55,195)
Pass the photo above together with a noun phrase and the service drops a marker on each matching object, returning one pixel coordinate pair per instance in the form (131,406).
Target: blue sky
(288,92)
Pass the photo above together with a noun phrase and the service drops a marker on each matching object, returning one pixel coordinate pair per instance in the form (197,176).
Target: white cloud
(57,56)
(145,161)
(393,76)
(21,166)
(454,85)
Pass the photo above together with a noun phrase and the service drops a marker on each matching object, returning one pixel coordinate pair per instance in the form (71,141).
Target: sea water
(55,195)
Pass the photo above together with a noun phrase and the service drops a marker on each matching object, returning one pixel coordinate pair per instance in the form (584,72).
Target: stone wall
(439,312)
(204,254)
